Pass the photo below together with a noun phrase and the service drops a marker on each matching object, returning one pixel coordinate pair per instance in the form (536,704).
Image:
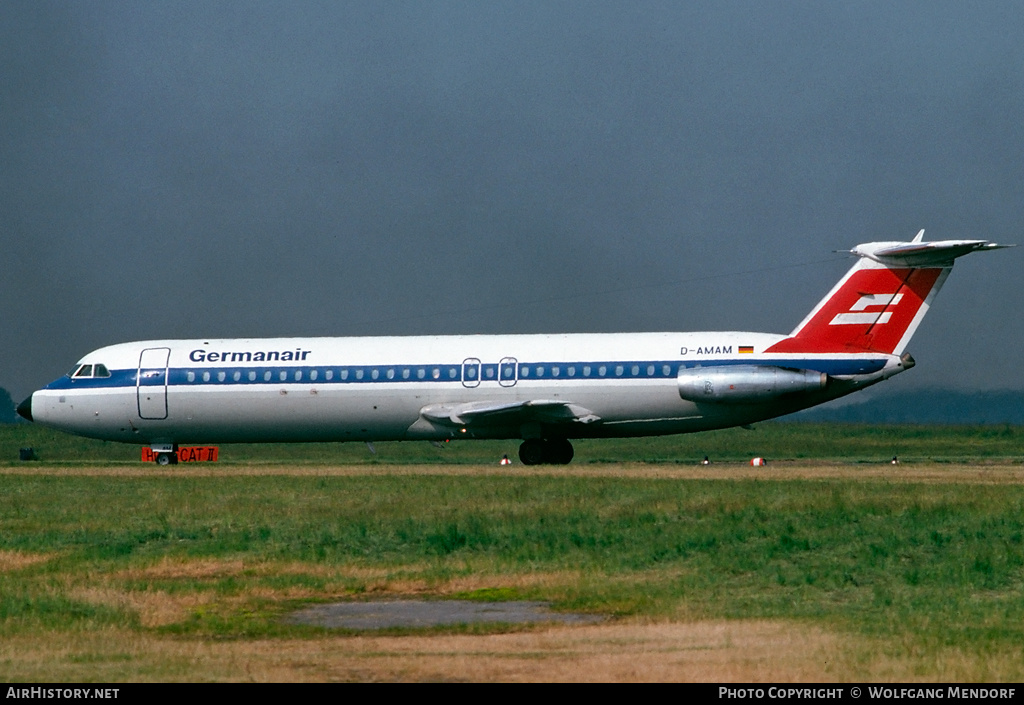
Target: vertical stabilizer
(879,303)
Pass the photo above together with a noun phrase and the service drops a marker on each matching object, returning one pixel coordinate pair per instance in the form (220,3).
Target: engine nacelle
(746,383)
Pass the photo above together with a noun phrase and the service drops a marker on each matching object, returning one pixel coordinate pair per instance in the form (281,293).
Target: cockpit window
(90,371)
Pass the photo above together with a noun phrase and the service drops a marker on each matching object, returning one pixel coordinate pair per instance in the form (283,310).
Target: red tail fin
(878,305)
(872,308)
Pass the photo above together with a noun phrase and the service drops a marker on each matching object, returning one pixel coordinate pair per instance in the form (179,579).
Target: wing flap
(539,410)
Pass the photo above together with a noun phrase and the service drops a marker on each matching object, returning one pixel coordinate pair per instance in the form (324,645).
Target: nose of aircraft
(25,408)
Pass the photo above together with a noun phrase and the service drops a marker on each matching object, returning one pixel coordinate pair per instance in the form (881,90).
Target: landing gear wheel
(560,452)
(166,459)
(531,452)
(535,451)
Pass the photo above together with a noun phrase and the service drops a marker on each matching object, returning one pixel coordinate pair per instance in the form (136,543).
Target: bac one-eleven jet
(543,389)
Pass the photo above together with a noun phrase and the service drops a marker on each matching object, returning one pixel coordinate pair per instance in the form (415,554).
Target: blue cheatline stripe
(450,372)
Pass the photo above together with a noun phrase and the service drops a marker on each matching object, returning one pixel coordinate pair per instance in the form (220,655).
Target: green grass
(773,440)
(945,562)
(921,568)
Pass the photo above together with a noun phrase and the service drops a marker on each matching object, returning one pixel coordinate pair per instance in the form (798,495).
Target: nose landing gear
(553,451)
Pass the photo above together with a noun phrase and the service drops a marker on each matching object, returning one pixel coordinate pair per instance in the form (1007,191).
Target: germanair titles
(248,356)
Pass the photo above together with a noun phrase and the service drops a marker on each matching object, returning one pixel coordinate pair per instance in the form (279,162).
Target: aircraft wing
(485,412)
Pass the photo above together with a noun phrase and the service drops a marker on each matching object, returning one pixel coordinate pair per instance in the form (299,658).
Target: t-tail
(880,302)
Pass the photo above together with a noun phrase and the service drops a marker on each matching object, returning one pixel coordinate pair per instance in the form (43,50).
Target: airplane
(543,389)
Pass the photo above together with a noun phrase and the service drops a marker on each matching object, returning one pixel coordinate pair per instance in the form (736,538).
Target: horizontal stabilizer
(922,254)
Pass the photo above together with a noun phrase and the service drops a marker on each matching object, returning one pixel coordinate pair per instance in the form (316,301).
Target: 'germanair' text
(261,356)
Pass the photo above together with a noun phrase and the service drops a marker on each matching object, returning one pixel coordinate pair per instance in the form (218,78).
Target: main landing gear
(554,451)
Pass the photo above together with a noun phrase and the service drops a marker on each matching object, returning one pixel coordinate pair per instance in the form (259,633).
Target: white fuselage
(430,387)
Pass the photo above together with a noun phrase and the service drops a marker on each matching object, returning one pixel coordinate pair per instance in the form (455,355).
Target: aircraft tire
(166,459)
(533,451)
(560,451)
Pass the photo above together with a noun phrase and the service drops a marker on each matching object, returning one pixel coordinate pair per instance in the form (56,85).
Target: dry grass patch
(704,651)
(171,568)
(176,568)
(403,580)
(155,608)
(701,651)
(16,560)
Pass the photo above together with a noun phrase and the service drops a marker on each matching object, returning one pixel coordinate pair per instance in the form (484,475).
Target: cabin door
(151,383)
(471,372)
(507,372)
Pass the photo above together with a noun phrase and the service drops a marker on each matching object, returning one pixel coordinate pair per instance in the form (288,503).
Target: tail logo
(849,319)
(886,301)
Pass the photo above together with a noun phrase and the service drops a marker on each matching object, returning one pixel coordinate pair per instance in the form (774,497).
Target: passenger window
(283,375)
(391,373)
(572,370)
(618,370)
(190,376)
(359,374)
(312,376)
(586,370)
(237,376)
(555,371)
(540,371)
(266,376)
(252,375)
(329,375)
(298,375)
(206,376)
(666,370)
(602,370)
(405,373)
(421,373)
(650,370)
(436,374)
(453,373)
(635,370)
(375,373)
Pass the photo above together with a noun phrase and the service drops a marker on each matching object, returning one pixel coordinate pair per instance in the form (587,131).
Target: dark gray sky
(194,169)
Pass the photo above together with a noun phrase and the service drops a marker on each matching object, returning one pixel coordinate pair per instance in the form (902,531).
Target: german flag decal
(747,349)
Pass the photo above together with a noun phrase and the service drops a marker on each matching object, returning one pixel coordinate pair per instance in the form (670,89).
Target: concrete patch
(421,613)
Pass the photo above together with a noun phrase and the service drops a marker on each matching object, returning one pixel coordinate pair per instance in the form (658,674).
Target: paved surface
(419,613)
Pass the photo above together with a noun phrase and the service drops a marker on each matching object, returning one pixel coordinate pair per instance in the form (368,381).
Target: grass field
(804,570)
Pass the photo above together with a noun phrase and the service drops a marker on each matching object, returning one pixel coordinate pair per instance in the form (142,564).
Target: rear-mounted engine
(746,383)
